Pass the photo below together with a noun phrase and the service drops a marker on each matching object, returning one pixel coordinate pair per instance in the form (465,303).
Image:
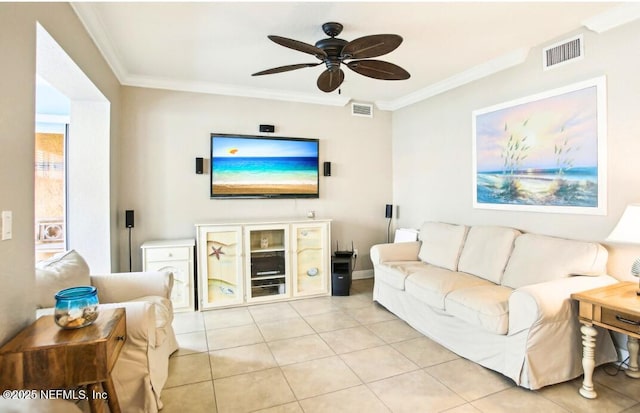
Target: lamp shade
(627,230)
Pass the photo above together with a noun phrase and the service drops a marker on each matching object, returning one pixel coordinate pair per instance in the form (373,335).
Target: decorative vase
(76,307)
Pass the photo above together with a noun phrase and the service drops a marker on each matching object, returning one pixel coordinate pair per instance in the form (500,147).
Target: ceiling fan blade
(330,79)
(371,46)
(379,69)
(299,46)
(285,68)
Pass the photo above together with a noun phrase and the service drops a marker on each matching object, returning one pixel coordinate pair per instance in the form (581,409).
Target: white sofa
(496,296)
(142,368)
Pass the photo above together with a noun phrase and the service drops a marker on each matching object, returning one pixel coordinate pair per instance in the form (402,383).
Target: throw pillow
(64,270)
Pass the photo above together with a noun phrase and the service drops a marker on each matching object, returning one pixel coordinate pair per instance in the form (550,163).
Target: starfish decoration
(216,251)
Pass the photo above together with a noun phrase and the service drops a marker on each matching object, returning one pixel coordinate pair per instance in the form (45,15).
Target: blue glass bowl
(76,307)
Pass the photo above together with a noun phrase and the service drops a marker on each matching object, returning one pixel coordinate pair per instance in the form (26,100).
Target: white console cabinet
(175,256)
(253,262)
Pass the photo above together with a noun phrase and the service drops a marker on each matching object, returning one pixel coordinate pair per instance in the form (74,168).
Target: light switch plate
(7,225)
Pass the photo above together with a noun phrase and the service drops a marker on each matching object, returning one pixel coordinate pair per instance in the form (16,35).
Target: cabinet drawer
(623,321)
(115,342)
(167,254)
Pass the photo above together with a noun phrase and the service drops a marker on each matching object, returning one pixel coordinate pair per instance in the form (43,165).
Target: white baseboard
(361,274)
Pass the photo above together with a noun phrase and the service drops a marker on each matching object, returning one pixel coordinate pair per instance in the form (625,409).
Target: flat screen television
(245,166)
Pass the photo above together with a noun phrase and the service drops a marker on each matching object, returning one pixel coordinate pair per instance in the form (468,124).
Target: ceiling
(214,47)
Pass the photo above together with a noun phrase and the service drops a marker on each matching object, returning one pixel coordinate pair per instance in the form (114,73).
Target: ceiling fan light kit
(333,52)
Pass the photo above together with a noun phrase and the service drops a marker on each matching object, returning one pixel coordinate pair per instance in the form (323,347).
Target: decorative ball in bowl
(76,307)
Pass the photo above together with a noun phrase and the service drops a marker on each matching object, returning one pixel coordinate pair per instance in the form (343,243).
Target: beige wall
(164,131)
(17,131)
(432,143)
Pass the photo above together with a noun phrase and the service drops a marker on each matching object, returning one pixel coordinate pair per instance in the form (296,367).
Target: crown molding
(95,28)
(613,18)
(231,90)
(477,72)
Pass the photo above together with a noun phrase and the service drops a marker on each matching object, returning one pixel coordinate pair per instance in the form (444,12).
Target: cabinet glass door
(267,262)
(220,261)
(310,259)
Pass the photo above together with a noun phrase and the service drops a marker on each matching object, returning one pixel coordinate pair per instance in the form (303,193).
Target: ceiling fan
(333,51)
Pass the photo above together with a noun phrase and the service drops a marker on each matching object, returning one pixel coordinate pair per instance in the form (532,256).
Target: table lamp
(627,231)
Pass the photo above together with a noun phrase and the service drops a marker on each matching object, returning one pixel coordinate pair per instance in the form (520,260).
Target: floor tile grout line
(604,384)
(599,384)
(320,394)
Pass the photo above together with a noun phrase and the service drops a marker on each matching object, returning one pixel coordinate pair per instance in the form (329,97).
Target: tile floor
(348,354)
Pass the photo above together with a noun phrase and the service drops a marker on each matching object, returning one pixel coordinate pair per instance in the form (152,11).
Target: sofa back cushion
(486,251)
(540,258)
(64,270)
(441,244)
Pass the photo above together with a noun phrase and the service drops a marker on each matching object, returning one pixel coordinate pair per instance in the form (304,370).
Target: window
(50,176)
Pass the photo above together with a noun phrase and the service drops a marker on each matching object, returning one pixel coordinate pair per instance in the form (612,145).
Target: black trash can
(340,275)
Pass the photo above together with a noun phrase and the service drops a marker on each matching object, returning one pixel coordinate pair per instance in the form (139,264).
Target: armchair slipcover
(142,367)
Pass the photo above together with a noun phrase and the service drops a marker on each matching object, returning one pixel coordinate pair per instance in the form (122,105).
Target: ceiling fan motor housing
(333,48)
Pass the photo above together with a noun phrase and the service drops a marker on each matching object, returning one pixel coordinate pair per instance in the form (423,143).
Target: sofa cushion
(539,258)
(486,251)
(63,270)
(441,244)
(486,306)
(432,284)
(394,273)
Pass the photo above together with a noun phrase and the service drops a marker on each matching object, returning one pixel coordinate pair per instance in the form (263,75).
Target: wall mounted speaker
(267,128)
(128,218)
(388,211)
(199,166)
(327,169)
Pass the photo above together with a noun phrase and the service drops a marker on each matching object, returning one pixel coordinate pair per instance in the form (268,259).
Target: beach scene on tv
(243,166)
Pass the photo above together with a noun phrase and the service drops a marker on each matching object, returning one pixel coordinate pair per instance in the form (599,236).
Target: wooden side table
(615,307)
(45,357)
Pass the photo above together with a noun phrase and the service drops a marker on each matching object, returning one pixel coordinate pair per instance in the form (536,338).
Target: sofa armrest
(401,251)
(119,287)
(549,301)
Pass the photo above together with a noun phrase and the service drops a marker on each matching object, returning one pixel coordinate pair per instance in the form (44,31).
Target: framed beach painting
(544,153)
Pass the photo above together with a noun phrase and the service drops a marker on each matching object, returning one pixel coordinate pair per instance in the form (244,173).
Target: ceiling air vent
(563,52)
(362,109)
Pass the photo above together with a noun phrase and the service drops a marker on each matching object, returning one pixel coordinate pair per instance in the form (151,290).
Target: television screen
(263,167)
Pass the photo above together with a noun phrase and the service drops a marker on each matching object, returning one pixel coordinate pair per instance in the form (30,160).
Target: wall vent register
(563,52)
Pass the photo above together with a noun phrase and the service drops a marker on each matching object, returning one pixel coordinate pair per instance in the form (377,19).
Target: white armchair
(142,368)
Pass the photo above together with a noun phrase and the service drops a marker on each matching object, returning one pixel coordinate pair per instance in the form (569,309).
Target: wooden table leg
(632,346)
(112,396)
(588,360)
(96,405)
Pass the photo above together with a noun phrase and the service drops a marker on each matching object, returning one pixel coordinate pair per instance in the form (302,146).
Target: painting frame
(545,152)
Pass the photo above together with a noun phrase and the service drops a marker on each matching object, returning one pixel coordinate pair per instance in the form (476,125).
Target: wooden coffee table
(44,357)
(615,307)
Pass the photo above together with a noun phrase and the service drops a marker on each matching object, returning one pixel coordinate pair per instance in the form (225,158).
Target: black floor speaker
(128,218)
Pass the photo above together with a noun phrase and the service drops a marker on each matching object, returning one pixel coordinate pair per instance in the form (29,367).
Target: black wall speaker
(267,128)
(388,211)
(327,169)
(128,218)
(199,166)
